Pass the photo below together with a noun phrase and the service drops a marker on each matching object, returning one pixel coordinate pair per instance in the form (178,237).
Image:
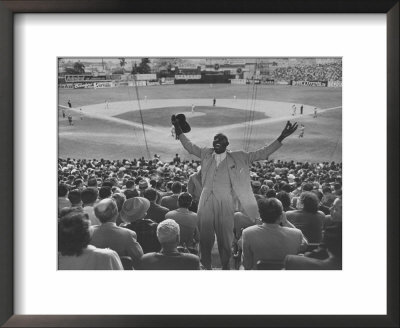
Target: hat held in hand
(181,120)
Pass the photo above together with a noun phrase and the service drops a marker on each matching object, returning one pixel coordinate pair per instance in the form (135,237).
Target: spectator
(155,212)
(270,241)
(188,223)
(105,192)
(74,251)
(109,235)
(194,188)
(74,197)
(284,197)
(308,219)
(328,198)
(143,185)
(119,199)
(169,258)
(333,243)
(171,202)
(89,197)
(133,213)
(129,193)
(92,183)
(63,200)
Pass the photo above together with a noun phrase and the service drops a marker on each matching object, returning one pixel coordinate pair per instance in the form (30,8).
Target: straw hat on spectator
(134,209)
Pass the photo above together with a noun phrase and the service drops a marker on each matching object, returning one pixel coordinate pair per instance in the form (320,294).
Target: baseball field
(107,123)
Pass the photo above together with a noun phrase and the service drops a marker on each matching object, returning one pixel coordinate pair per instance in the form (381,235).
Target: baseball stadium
(117,136)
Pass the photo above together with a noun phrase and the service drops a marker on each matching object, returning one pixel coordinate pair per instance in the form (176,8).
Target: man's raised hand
(288,130)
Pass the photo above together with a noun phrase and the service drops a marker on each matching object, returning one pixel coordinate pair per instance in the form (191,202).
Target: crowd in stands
(318,72)
(141,215)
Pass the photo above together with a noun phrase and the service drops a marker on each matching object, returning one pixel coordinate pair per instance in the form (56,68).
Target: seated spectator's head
(78,183)
(255,185)
(119,199)
(89,196)
(107,183)
(309,202)
(130,184)
(176,187)
(336,210)
(92,182)
(168,233)
(105,192)
(62,190)
(143,185)
(67,211)
(169,185)
(271,193)
(308,187)
(106,210)
(326,190)
(150,194)
(74,197)
(129,193)
(270,210)
(286,187)
(73,233)
(264,189)
(185,200)
(134,209)
(284,197)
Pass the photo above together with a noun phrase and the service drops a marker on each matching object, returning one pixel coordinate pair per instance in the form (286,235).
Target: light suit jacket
(239,170)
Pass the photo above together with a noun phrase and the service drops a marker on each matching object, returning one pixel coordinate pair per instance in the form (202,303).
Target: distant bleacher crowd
(141,215)
(318,72)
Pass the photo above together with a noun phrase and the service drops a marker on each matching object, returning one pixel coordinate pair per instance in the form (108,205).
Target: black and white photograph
(199,163)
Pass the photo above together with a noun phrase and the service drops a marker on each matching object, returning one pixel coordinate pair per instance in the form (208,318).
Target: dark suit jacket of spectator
(156,212)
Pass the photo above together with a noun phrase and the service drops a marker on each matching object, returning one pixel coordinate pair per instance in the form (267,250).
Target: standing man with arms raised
(225,179)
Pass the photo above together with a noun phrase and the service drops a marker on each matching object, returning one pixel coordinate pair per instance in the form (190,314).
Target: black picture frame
(7,11)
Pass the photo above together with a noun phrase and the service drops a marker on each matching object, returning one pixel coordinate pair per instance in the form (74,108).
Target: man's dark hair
(89,195)
(73,233)
(74,196)
(105,192)
(150,194)
(326,189)
(284,197)
(271,193)
(92,182)
(129,193)
(78,182)
(62,190)
(286,187)
(169,185)
(221,135)
(270,210)
(130,183)
(153,183)
(185,200)
(308,187)
(310,202)
(107,183)
(176,187)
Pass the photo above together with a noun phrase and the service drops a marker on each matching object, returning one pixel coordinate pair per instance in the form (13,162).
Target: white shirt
(219,157)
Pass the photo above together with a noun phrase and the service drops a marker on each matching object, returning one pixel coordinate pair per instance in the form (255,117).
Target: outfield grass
(321,97)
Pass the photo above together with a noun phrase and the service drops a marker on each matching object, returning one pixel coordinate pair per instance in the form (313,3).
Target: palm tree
(122,63)
(79,67)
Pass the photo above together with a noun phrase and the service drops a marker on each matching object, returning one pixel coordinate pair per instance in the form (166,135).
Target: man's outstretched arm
(186,143)
(265,152)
